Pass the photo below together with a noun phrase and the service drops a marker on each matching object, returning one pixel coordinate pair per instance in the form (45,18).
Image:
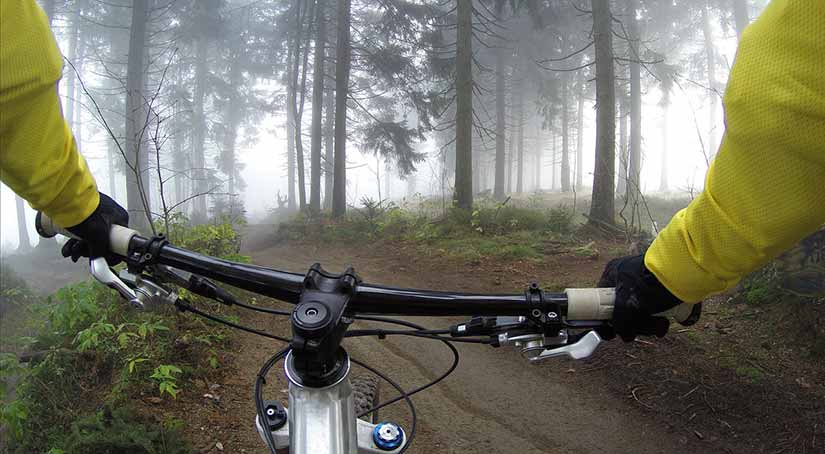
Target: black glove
(639,295)
(94,232)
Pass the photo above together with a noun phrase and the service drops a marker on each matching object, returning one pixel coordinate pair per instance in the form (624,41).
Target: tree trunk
(136,153)
(602,205)
(621,174)
(565,133)
(710,54)
(317,108)
(232,123)
(539,153)
(464,107)
(49,9)
(663,182)
(552,158)
(199,132)
(580,134)
(634,164)
(342,67)
(387,182)
(498,185)
(290,133)
(511,146)
(329,107)
(329,142)
(71,77)
(520,164)
(23,244)
(740,16)
(298,106)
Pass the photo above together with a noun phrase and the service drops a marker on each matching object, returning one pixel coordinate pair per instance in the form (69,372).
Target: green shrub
(219,239)
(116,431)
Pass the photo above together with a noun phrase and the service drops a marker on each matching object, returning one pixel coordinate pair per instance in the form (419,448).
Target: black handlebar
(367,299)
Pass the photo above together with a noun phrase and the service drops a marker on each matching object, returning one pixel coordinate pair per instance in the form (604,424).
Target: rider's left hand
(94,232)
(639,295)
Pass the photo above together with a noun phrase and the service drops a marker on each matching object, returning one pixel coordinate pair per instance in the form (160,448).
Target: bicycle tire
(365,393)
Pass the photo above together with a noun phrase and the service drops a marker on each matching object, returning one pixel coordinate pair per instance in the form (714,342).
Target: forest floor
(733,383)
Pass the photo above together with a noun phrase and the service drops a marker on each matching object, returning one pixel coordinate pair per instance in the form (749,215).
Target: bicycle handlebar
(588,304)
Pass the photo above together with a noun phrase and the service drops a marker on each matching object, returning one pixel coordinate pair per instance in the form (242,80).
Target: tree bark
(511,146)
(663,182)
(634,165)
(298,106)
(498,185)
(565,134)
(329,143)
(602,205)
(342,68)
(136,153)
(23,244)
(710,55)
(621,179)
(464,107)
(49,9)
(740,16)
(290,132)
(552,158)
(317,108)
(232,123)
(539,153)
(580,134)
(199,133)
(71,77)
(520,145)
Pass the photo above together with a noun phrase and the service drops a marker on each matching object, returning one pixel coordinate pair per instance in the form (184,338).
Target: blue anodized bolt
(387,436)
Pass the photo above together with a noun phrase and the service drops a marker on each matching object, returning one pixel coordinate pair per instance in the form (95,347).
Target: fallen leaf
(219,445)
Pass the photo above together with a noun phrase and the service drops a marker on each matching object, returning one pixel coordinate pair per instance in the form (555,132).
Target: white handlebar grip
(597,304)
(590,303)
(119,236)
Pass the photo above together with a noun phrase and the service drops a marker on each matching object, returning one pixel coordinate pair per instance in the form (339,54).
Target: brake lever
(99,269)
(580,349)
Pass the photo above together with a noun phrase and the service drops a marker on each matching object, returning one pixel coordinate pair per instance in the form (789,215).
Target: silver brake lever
(100,270)
(583,348)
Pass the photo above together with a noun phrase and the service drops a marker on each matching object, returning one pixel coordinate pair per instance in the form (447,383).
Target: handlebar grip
(597,304)
(119,236)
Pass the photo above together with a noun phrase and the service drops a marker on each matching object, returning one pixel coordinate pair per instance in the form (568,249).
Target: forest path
(495,402)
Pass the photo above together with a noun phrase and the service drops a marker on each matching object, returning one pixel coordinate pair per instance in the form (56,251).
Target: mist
(219,83)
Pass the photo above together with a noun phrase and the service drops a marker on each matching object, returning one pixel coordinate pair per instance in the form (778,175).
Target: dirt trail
(494,403)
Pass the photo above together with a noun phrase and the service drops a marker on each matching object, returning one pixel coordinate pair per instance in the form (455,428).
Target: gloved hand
(94,232)
(639,295)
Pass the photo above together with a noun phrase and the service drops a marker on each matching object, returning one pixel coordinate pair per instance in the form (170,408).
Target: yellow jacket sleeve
(38,156)
(765,190)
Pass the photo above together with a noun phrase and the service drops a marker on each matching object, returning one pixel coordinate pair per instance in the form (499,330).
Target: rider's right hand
(94,232)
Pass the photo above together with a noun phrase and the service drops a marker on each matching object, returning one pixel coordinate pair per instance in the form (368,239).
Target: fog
(219,85)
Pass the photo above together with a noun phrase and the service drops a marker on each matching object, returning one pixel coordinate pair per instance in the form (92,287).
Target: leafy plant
(167,382)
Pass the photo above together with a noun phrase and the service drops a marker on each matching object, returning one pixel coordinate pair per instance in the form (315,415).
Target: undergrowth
(94,358)
(490,229)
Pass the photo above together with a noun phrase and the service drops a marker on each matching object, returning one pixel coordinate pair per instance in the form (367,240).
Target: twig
(689,392)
